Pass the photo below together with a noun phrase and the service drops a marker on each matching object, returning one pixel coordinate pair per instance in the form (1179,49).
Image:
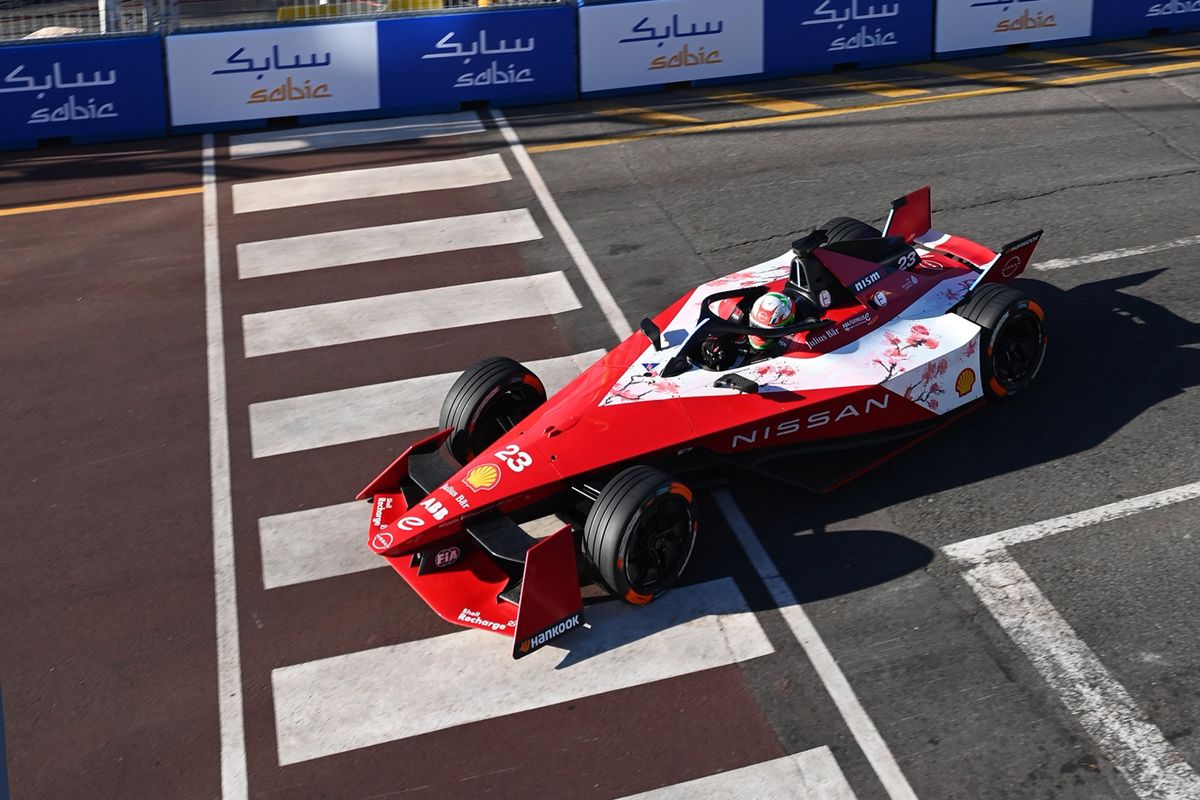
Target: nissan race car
(894,334)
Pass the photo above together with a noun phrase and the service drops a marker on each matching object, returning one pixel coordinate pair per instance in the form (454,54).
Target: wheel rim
(1017,351)
(659,545)
(501,413)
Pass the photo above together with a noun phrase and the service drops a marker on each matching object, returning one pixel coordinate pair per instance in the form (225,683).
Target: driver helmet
(772,310)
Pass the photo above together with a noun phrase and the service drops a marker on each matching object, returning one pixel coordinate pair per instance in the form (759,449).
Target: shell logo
(965,382)
(483,478)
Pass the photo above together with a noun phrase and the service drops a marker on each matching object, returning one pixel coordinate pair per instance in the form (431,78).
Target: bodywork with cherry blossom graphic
(896,333)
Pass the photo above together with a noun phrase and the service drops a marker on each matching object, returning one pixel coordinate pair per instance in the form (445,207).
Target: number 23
(516,458)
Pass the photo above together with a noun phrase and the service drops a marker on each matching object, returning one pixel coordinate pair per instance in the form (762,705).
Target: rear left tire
(640,533)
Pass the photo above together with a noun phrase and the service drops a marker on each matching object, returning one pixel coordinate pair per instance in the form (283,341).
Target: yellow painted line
(779,105)
(1124,73)
(99,201)
(774,120)
(1142,46)
(650,115)
(880,88)
(1082,62)
(971,73)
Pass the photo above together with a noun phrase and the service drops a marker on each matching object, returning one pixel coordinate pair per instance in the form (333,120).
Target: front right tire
(640,533)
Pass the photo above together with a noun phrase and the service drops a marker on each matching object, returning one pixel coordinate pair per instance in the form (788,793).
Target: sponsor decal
(483,478)
(825,298)
(1026,22)
(382,541)
(880,299)
(1011,267)
(435,508)
(1176,7)
(514,457)
(863,283)
(472,617)
(458,496)
(965,382)
(817,419)
(854,322)
(382,504)
(447,557)
(408,523)
(931,265)
(909,282)
(557,629)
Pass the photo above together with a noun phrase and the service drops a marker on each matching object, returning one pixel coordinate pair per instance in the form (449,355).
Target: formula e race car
(894,335)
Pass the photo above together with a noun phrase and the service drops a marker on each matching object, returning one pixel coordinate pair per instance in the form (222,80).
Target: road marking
(301,423)
(1113,255)
(979,548)
(612,311)
(880,88)
(229,663)
(359,184)
(3,752)
(314,544)
(1132,72)
(1082,62)
(859,722)
(400,240)
(652,116)
(755,122)
(778,105)
(333,705)
(811,775)
(1109,714)
(399,314)
(349,134)
(970,73)
(40,208)
(1142,46)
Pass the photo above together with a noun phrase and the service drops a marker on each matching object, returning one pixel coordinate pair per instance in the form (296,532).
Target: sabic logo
(1026,22)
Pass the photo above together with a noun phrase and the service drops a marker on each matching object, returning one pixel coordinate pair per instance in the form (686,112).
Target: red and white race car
(895,334)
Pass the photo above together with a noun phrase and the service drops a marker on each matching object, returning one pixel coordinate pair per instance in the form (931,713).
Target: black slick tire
(488,399)
(640,533)
(1012,342)
(848,229)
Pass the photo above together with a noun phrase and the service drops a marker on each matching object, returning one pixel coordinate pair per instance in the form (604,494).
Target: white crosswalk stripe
(332,705)
(359,184)
(369,412)
(401,240)
(407,312)
(349,134)
(811,775)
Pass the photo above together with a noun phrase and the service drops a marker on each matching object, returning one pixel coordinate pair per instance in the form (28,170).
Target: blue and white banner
(814,35)
(1115,18)
(96,89)
(272,72)
(625,45)
(979,24)
(526,54)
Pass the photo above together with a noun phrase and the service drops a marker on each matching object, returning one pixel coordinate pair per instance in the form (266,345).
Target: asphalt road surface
(209,345)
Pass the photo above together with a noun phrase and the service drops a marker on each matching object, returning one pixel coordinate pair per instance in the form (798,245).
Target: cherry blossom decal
(900,350)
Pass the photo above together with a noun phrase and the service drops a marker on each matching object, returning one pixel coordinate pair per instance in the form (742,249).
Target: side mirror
(652,333)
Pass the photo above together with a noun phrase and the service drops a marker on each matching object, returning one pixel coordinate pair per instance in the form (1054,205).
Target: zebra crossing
(327,706)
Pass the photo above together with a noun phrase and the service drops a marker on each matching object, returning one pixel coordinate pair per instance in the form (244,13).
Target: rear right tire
(848,229)
(1013,339)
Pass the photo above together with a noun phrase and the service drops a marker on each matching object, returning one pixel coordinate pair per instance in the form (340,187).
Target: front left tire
(489,399)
